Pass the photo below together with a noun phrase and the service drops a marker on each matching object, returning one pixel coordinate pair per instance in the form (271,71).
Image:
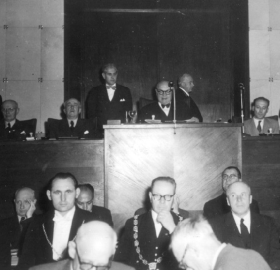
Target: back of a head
(86,188)
(62,176)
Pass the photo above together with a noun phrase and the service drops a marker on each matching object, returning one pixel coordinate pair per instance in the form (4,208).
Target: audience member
(93,248)
(85,202)
(48,234)
(219,206)
(72,126)
(196,247)
(245,229)
(184,100)
(259,123)
(10,127)
(145,242)
(110,101)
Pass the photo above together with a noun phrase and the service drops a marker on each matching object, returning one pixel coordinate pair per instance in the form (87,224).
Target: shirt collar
(154,216)
(11,123)
(247,220)
(185,91)
(110,86)
(216,255)
(74,120)
(68,217)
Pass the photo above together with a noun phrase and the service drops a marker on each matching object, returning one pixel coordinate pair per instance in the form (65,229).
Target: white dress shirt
(247,221)
(11,123)
(158,225)
(61,231)
(75,122)
(165,109)
(256,121)
(110,91)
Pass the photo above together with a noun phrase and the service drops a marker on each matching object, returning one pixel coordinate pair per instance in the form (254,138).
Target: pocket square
(86,132)
(122,100)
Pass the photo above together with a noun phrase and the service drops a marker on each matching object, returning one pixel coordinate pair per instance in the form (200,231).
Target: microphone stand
(174,105)
(241,87)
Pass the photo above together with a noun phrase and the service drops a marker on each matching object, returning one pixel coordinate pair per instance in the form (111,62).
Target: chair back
(30,125)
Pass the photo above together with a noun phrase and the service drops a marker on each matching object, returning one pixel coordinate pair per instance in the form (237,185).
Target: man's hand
(175,205)
(166,220)
(31,209)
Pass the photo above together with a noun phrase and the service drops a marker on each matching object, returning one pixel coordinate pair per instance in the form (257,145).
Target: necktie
(21,220)
(259,128)
(111,87)
(72,125)
(8,126)
(167,105)
(245,233)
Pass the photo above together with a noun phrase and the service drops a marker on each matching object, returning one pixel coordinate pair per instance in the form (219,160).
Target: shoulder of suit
(99,208)
(151,105)
(121,266)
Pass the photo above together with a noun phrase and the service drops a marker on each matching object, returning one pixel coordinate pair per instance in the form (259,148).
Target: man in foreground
(93,248)
(145,242)
(196,247)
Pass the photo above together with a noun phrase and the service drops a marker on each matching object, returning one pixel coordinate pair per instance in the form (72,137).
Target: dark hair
(108,65)
(261,98)
(86,187)
(63,176)
(233,168)
(165,179)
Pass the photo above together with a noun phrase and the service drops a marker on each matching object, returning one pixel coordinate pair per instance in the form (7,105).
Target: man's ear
(77,192)
(251,198)
(17,111)
(150,195)
(103,75)
(72,249)
(80,109)
(49,195)
(228,202)
(34,201)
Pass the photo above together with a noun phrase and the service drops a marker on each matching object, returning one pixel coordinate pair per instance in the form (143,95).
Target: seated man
(145,242)
(85,202)
(196,247)
(72,126)
(93,248)
(48,235)
(219,206)
(10,127)
(259,123)
(245,229)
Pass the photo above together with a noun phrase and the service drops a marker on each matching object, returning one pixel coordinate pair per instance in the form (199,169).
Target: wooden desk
(33,163)
(194,155)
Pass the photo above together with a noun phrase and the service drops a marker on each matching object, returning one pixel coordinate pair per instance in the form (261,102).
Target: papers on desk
(14,257)
(151,121)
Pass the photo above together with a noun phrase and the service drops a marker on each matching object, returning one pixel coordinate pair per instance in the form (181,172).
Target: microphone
(170,84)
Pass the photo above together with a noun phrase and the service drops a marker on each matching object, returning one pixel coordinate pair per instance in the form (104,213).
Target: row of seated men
(233,216)
(112,101)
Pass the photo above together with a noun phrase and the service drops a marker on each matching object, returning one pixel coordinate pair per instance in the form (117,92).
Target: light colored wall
(29,52)
(264,40)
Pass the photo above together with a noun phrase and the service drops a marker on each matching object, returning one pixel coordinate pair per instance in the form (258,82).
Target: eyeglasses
(161,92)
(225,176)
(182,264)
(90,266)
(158,197)
(8,110)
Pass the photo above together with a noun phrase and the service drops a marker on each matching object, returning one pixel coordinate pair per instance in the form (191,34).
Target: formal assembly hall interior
(53,50)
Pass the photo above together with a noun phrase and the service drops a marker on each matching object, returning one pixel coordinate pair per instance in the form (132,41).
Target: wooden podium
(193,154)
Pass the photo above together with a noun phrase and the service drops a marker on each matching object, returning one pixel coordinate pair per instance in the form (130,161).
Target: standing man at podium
(109,101)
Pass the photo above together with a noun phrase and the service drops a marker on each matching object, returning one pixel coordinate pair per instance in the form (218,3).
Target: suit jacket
(250,127)
(264,236)
(66,265)
(149,243)
(36,249)
(61,129)
(218,206)
(15,134)
(232,258)
(98,104)
(5,253)
(187,106)
(103,214)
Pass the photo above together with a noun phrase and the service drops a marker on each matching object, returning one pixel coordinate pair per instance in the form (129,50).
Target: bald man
(93,248)
(245,229)
(184,101)
(10,127)
(162,109)
(72,126)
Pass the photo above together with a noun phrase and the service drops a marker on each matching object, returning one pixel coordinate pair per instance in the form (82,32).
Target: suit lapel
(255,230)
(232,233)
(49,225)
(77,221)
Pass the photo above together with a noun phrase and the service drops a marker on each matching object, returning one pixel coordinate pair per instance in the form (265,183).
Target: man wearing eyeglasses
(145,242)
(10,127)
(218,206)
(85,202)
(163,108)
(72,126)
(93,249)
(196,247)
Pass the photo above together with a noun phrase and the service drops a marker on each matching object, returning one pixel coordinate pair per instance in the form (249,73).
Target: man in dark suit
(245,229)
(184,101)
(10,127)
(163,109)
(145,242)
(48,235)
(219,206)
(110,101)
(72,126)
(85,202)
(93,248)
(259,123)
(196,247)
